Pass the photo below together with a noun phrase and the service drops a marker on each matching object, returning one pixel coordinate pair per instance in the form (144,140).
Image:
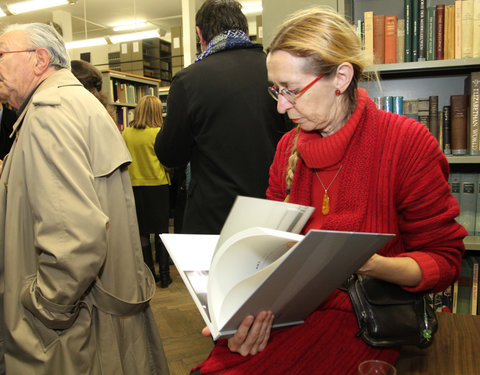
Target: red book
(458,123)
(390,39)
(439,31)
(379,39)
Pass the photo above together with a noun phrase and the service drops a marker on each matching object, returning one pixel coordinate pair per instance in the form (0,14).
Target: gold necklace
(326,198)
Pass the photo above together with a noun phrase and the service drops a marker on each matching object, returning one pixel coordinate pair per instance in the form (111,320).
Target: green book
(465,287)
(430,33)
(415,29)
(408,30)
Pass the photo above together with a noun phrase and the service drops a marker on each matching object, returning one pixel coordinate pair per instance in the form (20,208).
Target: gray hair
(40,35)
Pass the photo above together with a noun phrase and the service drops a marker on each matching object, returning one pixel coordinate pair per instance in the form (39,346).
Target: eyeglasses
(27,50)
(290,95)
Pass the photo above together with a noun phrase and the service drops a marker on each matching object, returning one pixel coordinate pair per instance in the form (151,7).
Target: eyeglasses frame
(291,96)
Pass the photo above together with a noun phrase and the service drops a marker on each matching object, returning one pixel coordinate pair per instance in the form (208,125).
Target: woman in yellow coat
(150,182)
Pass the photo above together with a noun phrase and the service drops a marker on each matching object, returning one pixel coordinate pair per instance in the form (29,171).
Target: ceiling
(93,18)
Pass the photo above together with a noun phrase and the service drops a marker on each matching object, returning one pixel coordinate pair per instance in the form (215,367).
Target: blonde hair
(325,39)
(148,113)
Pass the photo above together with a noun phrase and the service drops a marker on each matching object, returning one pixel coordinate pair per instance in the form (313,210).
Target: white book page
(247,258)
(250,212)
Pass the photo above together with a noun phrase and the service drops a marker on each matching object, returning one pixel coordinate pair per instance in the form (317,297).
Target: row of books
(125,116)
(465,188)
(462,296)
(439,32)
(123,92)
(455,126)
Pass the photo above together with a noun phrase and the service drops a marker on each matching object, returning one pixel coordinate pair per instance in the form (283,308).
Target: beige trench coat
(74,290)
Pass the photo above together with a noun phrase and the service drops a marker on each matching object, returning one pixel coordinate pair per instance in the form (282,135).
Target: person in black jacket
(221,119)
(8,118)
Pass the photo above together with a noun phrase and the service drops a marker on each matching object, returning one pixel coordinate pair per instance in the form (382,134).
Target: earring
(337,92)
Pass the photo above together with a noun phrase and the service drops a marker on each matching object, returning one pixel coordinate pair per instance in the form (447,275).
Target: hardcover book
(368,35)
(458,29)
(433,116)
(472,88)
(439,31)
(446,131)
(408,30)
(431,33)
(467,28)
(390,39)
(400,40)
(468,201)
(422,30)
(249,268)
(415,28)
(378,39)
(458,123)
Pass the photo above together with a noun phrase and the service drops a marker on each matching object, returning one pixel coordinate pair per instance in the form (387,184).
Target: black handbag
(390,316)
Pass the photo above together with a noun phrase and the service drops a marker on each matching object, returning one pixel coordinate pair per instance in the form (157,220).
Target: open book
(251,267)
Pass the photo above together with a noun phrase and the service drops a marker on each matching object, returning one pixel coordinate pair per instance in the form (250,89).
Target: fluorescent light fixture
(31,5)
(134,36)
(253,7)
(85,43)
(130,25)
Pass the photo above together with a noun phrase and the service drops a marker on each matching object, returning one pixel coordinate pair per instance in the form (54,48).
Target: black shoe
(165,280)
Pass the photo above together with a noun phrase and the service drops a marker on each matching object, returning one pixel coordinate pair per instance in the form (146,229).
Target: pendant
(326,204)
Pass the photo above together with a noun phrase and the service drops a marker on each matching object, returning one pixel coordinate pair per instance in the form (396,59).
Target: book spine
(408,30)
(388,103)
(398,105)
(458,123)
(467,28)
(390,39)
(468,202)
(477,211)
(422,30)
(400,40)
(430,33)
(447,150)
(439,31)
(464,287)
(455,297)
(448,33)
(379,39)
(458,29)
(415,28)
(476,29)
(474,286)
(474,128)
(368,23)
(433,116)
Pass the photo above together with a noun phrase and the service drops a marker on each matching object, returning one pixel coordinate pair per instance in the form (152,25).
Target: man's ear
(344,76)
(43,60)
(203,43)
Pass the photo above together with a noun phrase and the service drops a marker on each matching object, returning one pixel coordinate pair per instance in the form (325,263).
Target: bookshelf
(123,91)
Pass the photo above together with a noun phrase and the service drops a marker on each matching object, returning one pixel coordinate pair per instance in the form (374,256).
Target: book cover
(467,28)
(422,30)
(449,32)
(415,28)
(439,31)
(424,118)
(368,35)
(446,138)
(433,116)
(474,296)
(390,39)
(454,181)
(458,123)
(458,29)
(476,29)
(378,38)
(398,105)
(430,33)
(464,293)
(468,201)
(388,103)
(477,214)
(472,88)
(408,30)
(245,273)
(400,40)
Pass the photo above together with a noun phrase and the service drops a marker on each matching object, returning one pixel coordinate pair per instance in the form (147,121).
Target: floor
(180,326)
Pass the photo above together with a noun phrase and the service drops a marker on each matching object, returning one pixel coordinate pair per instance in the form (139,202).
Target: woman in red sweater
(364,170)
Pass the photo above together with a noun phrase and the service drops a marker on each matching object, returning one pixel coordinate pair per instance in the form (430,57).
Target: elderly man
(74,290)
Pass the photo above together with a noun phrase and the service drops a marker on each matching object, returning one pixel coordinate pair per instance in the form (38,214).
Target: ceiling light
(131,25)
(86,43)
(31,5)
(134,36)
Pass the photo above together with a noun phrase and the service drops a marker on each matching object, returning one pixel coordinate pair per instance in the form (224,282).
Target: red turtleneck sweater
(393,180)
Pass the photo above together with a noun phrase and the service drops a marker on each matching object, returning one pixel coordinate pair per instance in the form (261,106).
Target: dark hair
(91,78)
(216,16)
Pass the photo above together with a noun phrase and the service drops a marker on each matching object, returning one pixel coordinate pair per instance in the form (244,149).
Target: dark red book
(439,31)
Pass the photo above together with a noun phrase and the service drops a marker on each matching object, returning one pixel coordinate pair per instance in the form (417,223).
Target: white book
(245,271)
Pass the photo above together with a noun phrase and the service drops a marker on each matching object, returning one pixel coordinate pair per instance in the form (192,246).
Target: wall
(275,11)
